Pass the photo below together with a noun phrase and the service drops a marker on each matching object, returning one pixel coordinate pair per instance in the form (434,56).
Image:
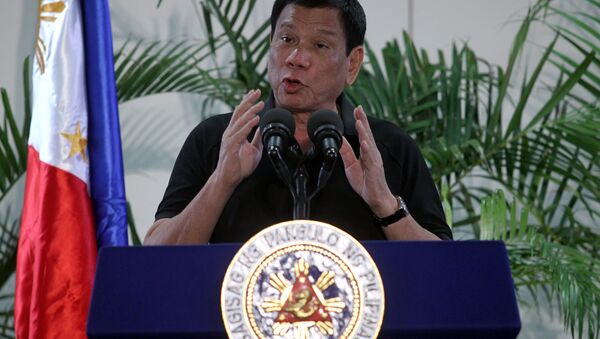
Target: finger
(238,109)
(241,134)
(352,167)
(250,113)
(364,135)
(369,153)
(366,155)
(247,101)
(243,119)
(347,154)
(257,140)
(363,121)
(360,115)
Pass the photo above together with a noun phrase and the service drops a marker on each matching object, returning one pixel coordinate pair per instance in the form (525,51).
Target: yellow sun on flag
(47,12)
(78,142)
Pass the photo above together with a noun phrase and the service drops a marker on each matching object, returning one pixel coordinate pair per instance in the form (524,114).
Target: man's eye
(321,46)
(286,39)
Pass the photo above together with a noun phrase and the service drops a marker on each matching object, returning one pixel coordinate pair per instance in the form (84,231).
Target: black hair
(352,14)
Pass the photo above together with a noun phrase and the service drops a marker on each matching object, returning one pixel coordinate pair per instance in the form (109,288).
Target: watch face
(402,205)
(302,279)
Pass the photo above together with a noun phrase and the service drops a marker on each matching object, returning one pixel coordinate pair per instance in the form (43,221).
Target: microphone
(324,130)
(277,127)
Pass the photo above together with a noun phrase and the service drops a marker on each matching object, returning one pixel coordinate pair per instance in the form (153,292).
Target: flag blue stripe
(104,136)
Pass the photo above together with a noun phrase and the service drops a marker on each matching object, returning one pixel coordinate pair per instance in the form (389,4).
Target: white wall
(17,30)
(154,128)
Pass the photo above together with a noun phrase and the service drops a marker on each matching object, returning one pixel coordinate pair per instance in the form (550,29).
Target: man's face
(308,66)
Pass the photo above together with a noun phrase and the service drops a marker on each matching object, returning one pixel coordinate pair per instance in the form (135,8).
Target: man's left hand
(366,174)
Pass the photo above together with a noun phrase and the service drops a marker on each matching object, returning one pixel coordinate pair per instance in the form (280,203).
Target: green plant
(155,68)
(569,276)
(544,157)
(13,163)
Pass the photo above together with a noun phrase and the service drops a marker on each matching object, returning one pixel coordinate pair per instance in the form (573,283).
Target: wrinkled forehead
(326,20)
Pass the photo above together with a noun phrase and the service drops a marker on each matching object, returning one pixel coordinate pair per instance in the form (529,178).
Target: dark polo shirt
(262,199)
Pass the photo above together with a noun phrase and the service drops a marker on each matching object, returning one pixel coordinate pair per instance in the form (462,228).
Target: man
(223,188)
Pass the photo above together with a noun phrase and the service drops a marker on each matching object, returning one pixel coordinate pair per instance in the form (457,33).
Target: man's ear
(355,60)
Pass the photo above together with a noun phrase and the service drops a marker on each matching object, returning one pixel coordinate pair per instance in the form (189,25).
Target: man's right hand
(238,158)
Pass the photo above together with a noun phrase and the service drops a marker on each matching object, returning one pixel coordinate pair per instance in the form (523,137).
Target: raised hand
(238,158)
(366,174)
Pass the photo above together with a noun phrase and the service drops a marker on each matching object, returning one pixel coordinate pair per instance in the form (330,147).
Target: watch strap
(400,213)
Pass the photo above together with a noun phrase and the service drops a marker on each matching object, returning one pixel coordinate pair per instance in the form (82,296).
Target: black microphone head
(278,115)
(278,122)
(325,123)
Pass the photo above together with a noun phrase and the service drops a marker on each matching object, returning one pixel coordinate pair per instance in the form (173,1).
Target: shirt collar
(346,112)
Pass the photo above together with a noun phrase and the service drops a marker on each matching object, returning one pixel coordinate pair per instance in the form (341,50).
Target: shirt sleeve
(409,176)
(194,165)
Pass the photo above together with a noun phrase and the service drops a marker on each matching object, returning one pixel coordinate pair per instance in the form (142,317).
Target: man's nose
(298,58)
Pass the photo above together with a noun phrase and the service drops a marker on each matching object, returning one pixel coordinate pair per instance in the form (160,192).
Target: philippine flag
(74,171)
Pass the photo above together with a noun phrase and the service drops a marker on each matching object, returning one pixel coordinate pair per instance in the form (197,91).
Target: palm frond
(9,237)
(147,69)
(248,68)
(13,148)
(158,68)
(135,239)
(13,163)
(13,141)
(7,316)
(572,277)
(458,121)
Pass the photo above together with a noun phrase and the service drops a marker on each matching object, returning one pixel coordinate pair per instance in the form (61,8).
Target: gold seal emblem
(302,279)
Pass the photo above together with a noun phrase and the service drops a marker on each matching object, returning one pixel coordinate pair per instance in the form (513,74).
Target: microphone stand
(299,187)
(282,170)
(301,198)
(325,171)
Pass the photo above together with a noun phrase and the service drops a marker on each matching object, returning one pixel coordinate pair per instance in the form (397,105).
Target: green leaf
(131,225)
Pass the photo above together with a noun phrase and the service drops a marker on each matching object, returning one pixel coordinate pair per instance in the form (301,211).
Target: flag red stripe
(57,254)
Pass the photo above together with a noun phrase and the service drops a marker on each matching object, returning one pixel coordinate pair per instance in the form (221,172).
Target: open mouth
(292,86)
(292,81)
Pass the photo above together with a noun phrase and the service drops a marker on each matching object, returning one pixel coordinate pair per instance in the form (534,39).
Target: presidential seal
(302,279)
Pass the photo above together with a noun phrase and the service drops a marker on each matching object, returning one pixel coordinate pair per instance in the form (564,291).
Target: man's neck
(301,133)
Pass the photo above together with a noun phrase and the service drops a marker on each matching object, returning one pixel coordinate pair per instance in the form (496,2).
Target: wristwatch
(400,213)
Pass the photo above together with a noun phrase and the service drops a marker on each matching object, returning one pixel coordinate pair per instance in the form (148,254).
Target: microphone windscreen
(280,116)
(321,118)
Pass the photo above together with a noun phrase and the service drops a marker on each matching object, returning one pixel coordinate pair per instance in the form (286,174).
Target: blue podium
(449,289)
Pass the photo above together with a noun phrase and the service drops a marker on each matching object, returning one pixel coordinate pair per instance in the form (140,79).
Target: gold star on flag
(78,142)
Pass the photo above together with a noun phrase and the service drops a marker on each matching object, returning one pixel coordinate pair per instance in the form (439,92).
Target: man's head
(316,50)
(351,13)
